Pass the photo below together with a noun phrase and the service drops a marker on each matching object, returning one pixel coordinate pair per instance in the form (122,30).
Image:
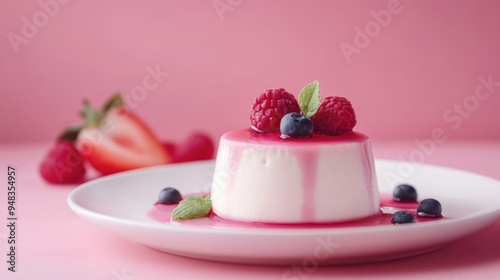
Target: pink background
(412,71)
(426,59)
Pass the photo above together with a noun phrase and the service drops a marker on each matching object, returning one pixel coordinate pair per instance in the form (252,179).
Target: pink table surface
(54,243)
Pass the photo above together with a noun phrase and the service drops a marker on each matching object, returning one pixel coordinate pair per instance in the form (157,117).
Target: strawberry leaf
(70,133)
(115,101)
(192,207)
(309,99)
(91,115)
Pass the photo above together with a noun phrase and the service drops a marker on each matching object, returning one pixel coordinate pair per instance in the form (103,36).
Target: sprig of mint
(192,207)
(309,99)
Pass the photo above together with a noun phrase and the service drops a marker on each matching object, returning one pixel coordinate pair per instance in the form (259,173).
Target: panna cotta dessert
(300,162)
(299,165)
(263,178)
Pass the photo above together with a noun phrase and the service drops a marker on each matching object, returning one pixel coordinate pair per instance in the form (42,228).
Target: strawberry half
(114,139)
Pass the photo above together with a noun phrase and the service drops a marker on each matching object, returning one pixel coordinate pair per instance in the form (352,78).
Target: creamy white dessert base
(262,178)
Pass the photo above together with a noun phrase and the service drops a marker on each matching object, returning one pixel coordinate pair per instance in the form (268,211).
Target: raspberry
(335,116)
(269,107)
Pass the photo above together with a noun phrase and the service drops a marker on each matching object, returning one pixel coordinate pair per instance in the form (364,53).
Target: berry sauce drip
(309,163)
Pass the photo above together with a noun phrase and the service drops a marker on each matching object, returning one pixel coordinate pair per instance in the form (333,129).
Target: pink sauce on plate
(161,213)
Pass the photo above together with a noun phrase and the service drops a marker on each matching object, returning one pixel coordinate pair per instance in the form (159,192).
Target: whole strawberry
(63,164)
(335,116)
(198,146)
(269,107)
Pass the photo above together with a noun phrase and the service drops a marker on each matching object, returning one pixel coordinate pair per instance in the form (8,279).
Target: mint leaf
(192,207)
(309,99)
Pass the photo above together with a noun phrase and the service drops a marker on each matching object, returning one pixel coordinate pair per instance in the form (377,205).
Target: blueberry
(296,125)
(169,196)
(402,217)
(405,192)
(429,207)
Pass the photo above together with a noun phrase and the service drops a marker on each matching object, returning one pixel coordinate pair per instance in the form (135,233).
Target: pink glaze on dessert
(260,177)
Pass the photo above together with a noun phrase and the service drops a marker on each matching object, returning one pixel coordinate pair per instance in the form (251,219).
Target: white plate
(120,202)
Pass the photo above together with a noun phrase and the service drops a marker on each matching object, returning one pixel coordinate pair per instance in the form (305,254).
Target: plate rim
(82,211)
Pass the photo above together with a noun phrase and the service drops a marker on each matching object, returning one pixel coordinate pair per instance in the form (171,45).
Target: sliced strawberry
(63,163)
(198,146)
(114,139)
